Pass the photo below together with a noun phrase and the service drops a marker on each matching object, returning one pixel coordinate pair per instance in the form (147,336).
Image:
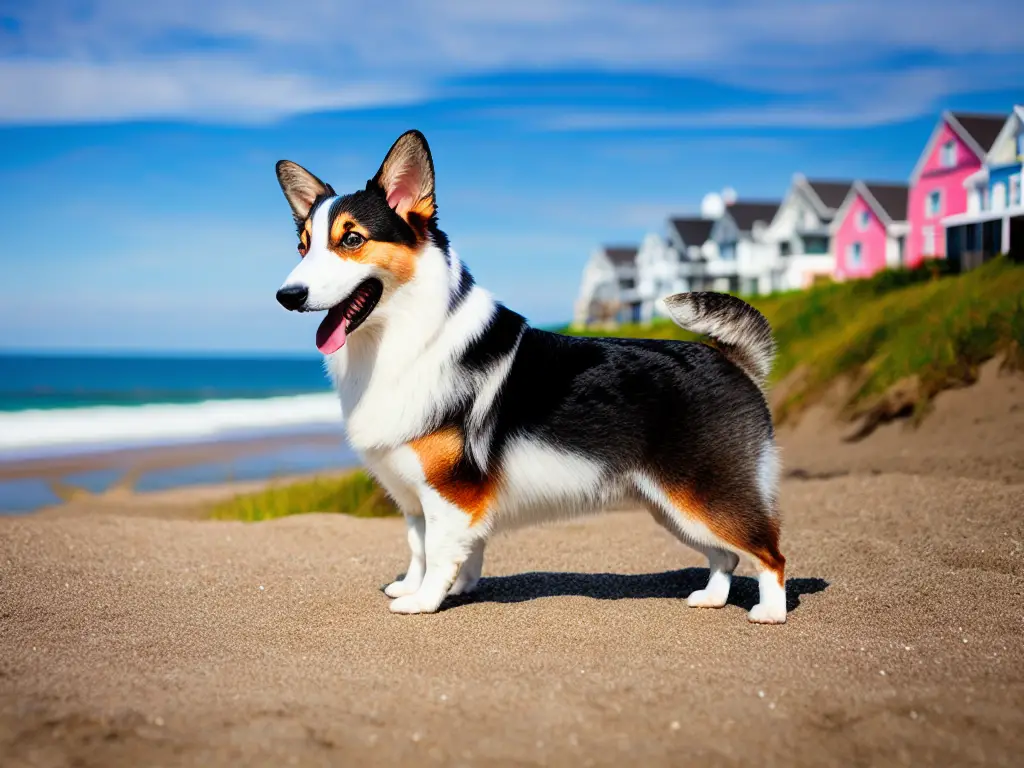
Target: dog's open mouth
(345,317)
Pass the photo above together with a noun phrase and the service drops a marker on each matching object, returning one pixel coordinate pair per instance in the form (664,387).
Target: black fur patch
(370,209)
(460,291)
(678,410)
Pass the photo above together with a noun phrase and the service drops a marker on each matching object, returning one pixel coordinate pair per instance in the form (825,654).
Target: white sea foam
(25,433)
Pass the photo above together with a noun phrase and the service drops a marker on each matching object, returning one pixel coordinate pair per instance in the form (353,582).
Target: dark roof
(693,231)
(831,193)
(892,198)
(982,128)
(621,254)
(745,214)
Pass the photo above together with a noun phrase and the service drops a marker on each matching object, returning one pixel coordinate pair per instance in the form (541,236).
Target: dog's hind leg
(721,562)
(723,527)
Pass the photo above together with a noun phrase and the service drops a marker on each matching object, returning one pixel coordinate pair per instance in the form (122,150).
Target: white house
(608,293)
(663,263)
(800,230)
(725,249)
(737,256)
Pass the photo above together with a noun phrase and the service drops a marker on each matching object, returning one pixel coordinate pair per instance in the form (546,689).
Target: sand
(130,639)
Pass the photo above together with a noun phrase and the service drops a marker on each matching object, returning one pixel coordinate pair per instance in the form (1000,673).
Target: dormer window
(863,219)
(949,154)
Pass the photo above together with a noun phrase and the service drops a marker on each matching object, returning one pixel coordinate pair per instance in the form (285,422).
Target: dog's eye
(352,240)
(302,248)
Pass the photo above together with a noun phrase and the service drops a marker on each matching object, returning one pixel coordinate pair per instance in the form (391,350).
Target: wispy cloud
(232,60)
(860,100)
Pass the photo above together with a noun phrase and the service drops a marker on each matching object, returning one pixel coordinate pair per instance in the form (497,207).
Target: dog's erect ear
(407,177)
(300,187)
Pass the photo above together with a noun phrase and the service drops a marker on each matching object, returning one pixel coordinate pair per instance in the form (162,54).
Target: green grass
(352,494)
(916,327)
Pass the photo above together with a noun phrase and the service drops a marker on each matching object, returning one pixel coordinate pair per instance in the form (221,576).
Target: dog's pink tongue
(330,336)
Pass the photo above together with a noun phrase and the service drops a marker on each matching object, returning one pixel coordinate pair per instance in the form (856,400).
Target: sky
(139,208)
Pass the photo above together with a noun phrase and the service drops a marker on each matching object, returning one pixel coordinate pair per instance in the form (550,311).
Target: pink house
(955,150)
(869,229)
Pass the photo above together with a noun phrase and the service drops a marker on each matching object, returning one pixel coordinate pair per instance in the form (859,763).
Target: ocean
(58,406)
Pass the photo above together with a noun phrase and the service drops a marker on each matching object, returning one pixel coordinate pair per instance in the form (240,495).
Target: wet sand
(133,639)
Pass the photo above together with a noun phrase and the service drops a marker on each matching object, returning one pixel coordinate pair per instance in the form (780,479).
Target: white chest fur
(397,375)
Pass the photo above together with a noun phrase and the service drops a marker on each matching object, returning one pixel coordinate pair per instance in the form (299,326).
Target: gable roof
(1009,127)
(982,128)
(746,213)
(620,255)
(890,198)
(693,231)
(977,132)
(830,193)
(888,201)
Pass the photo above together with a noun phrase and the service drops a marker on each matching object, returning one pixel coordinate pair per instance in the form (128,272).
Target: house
(955,151)
(800,230)
(738,257)
(994,220)
(662,263)
(869,229)
(608,292)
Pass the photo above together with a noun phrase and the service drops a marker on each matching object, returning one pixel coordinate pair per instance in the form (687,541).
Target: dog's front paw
(463,586)
(410,604)
(764,613)
(706,598)
(400,588)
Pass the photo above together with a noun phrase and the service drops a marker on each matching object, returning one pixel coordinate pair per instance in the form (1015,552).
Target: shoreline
(33,485)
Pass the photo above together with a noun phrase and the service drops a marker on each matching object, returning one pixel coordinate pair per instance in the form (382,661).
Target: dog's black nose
(293,296)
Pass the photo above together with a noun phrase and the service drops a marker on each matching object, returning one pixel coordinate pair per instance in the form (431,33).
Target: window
(933,203)
(929,241)
(1020,145)
(728,251)
(949,154)
(853,255)
(815,245)
(1015,189)
(863,219)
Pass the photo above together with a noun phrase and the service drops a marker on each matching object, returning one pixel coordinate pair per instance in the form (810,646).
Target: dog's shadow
(522,587)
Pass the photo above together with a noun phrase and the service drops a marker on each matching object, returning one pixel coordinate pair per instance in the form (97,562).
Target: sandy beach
(136,633)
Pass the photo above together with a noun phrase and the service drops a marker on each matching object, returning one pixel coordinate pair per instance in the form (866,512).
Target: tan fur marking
(439,454)
(398,260)
(424,208)
(747,530)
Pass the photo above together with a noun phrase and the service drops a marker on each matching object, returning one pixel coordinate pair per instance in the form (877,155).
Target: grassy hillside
(354,494)
(899,338)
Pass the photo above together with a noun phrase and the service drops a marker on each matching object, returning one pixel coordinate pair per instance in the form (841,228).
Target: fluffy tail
(739,330)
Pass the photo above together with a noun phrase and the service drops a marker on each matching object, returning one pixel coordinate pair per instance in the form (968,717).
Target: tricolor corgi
(474,422)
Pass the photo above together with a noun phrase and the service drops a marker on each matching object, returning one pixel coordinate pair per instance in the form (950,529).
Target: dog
(474,422)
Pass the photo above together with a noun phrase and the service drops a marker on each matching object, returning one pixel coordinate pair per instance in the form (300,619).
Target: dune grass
(918,327)
(353,494)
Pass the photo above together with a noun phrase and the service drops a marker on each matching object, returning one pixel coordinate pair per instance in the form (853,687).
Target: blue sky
(139,209)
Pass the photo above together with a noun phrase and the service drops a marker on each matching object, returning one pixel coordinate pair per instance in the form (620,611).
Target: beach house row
(962,202)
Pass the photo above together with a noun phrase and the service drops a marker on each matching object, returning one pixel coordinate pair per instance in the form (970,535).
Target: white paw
(463,587)
(762,613)
(705,598)
(400,588)
(410,604)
